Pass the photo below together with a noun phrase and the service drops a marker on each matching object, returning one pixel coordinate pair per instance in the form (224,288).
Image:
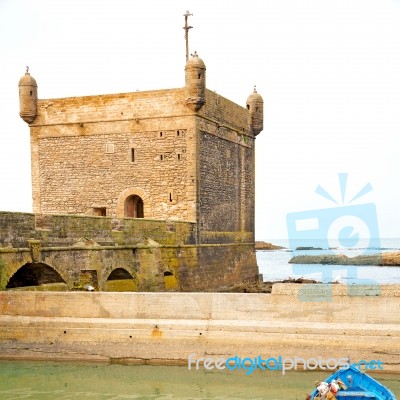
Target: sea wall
(167,327)
(66,252)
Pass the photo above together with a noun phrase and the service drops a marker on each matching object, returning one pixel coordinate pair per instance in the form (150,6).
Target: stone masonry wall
(226,172)
(167,327)
(90,154)
(93,152)
(148,255)
(226,112)
(62,230)
(83,173)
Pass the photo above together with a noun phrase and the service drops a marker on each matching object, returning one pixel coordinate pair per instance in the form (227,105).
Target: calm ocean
(274,265)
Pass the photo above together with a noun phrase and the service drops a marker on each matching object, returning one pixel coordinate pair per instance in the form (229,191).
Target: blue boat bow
(357,386)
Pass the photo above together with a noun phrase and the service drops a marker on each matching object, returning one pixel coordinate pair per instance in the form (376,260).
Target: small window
(179,157)
(132,155)
(199,76)
(100,211)
(170,228)
(161,157)
(248,106)
(30,93)
(161,134)
(109,148)
(170,196)
(178,133)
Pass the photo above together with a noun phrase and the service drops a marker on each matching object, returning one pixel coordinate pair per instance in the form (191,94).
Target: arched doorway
(35,274)
(134,207)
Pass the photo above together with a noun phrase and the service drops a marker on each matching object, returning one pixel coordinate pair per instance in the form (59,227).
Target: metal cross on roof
(186,28)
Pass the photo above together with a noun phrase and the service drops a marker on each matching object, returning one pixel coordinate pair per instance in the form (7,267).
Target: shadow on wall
(120,280)
(37,275)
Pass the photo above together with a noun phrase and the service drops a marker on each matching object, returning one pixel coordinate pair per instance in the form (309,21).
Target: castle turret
(27,97)
(195,82)
(255,105)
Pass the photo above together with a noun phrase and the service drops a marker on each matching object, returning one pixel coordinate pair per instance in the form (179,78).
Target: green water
(55,381)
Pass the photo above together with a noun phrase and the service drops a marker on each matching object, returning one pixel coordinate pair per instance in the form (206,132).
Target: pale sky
(328,70)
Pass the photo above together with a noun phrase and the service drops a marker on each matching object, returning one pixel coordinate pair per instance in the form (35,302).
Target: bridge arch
(36,274)
(120,280)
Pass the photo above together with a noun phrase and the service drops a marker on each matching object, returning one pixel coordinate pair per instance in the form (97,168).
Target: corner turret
(195,82)
(255,105)
(27,97)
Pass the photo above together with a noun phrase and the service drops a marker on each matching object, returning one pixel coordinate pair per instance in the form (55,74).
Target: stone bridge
(68,252)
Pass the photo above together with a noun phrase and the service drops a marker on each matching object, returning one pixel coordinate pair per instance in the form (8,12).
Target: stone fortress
(148,190)
(154,192)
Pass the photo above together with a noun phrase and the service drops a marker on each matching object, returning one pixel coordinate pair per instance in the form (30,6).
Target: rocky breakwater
(267,246)
(384,259)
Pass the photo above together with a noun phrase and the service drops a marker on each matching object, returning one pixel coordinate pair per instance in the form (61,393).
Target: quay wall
(66,252)
(167,327)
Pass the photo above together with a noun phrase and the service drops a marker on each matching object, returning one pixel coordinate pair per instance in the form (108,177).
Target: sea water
(274,265)
(55,381)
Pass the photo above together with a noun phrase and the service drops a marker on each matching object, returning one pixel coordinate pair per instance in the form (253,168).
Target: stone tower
(195,82)
(27,97)
(255,105)
(183,156)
